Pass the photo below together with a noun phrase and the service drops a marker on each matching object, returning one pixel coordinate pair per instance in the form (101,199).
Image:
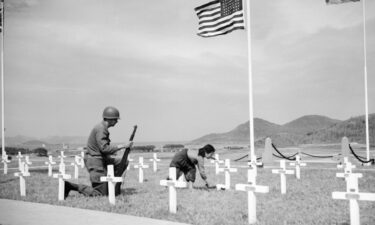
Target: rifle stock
(124,159)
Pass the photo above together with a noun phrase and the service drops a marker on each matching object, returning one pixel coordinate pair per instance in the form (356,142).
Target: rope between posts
(317,156)
(291,158)
(372,161)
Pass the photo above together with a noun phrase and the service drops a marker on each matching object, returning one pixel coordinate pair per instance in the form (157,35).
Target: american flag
(220,17)
(340,1)
(1,15)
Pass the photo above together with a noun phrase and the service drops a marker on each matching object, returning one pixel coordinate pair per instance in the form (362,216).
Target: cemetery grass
(307,201)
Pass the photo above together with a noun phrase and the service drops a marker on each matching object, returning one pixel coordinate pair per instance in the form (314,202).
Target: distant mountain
(240,134)
(292,133)
(306,124)
(353,128)
(31,142)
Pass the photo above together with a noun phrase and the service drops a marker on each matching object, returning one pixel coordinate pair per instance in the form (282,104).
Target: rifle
(123,163)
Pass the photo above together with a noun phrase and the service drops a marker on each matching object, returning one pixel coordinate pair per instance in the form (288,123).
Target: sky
(65,61)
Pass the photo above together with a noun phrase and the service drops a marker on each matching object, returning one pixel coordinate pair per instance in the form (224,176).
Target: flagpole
(251,108)
(2,82)
(365,71)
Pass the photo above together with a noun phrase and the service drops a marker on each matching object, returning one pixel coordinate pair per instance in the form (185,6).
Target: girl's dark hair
(206,149)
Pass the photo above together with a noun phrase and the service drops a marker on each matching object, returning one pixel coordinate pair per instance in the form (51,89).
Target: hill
(353,128)
(304,130)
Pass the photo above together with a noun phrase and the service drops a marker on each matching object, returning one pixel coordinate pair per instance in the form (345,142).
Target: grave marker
(348,171)
(345,151)
(62,164)
(76,163)
(140,167)
(155,160)
(19,157)
(282,171)
(112,180)
(62,177)
(251,189)
(5,161)
(217,162)
(22,174)
(227,171)
(130,160)
(27,163)
(352,194)
(172,185)
(298,164)
(82,157)
(50,162)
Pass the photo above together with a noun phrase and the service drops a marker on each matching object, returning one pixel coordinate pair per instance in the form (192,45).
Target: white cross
(298,164)
(140,167)
(172,185)
(253,164)
(352,194)
(62,164)
(343,165)
(50,162)
(129,167)
(112,180)
(22,174)
(19,157)
(62,177)
(82,156)
(282,171)
(227,171)
(27,163)
(76,163)
(5,161)
(155,160)
(348,171)
(217,162)
(251,189)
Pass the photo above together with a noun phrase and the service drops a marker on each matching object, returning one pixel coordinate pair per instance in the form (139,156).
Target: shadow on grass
(8,180)
(41,170)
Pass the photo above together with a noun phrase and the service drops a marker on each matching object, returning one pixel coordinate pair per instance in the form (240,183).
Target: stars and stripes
(220,17)
(340,1)
(1,15)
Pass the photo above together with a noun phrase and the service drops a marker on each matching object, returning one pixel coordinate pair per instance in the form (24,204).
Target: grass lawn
(307,201)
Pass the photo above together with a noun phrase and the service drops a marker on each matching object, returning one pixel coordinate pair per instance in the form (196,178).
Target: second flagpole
(252,156)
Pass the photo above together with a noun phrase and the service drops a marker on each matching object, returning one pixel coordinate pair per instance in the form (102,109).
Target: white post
(282,171)
(227,171)
(2,85)
(140,167)
(50,162)
(22,174)
(217,162)
(251,188)
(365,78)
(298,164)
(172,183)
(62,177)
(251,113)
(112,180)
(155,160)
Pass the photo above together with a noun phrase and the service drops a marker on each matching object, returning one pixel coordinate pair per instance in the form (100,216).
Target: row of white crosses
(352,192)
